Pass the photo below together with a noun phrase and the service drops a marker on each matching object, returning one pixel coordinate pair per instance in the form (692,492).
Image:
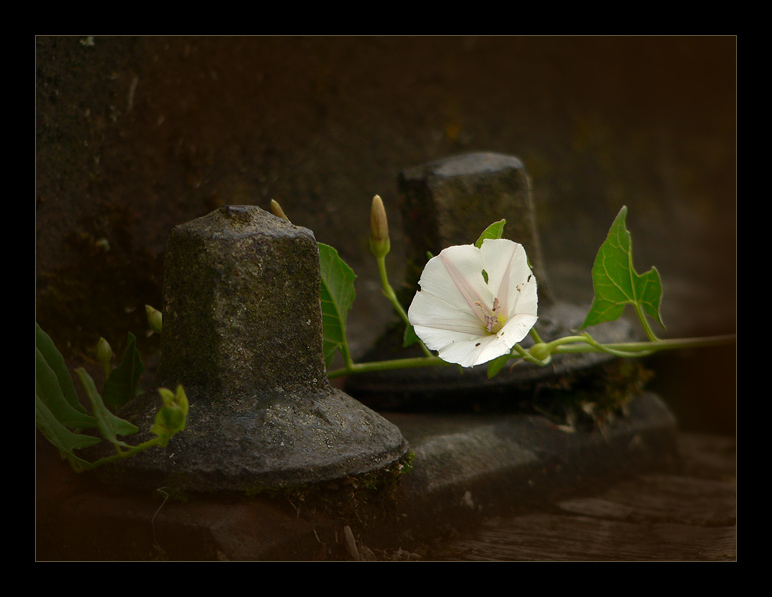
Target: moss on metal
(227,324)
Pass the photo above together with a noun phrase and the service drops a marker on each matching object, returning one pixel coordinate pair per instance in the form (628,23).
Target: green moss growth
(588,399)
(356,497)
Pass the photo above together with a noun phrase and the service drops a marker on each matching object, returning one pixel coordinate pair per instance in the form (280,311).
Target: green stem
(567,345)
(645,323)
(535,336)
(388,290)
(156,441)
(524,354)
(409,363)
(392,296)
(347,360)
(579,344)
(615,351)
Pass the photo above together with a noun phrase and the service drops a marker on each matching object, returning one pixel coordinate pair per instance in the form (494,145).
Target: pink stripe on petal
(471,296)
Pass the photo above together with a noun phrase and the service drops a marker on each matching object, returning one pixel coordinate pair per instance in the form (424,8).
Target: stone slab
(466,467)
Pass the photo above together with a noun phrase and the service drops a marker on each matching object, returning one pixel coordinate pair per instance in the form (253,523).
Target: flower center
(494,320)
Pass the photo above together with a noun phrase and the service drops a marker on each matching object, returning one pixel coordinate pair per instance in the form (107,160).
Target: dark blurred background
(135,135)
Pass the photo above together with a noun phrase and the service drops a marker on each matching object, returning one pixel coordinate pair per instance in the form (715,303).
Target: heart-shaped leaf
(110,425)
(337,294)
(495,230)
(616,283)
(123,383)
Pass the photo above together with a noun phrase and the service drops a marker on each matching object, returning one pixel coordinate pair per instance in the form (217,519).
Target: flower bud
(379,229)
(177,401)
(277,210)
(541,352)
(170,419)
(104,354)
(154,319)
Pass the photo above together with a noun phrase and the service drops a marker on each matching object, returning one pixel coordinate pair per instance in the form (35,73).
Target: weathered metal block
(242,333)
(241,305)
(451,201)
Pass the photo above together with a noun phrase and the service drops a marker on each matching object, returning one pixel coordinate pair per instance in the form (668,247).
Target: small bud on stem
(380,244)
(104,354)
(154,319)
(277,210)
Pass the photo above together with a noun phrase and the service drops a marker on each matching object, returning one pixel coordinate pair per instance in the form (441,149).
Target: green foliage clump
(62,419)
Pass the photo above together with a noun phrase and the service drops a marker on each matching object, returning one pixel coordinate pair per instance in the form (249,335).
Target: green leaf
(337,294)
(409,337)
(616,283)
(170,419)
(49,390)
(55,361)
(65,440)
(109,424)
(495,230)
(123,383)
(497,365)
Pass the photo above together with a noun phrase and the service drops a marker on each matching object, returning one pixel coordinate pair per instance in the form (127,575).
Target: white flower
(475,304)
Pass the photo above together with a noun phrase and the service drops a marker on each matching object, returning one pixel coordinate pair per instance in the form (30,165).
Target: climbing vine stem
(615,281)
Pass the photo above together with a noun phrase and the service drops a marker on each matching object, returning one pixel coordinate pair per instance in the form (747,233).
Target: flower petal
(429,310)
(448,312)
(436,282)
(527,300)
(471,352)
(516,328)
(441,340)
(506,263)
(464,266)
